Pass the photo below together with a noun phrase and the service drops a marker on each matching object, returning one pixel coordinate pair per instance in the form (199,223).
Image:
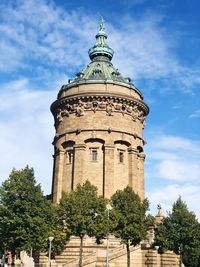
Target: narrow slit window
(94,154)
(70,157)
(121,157)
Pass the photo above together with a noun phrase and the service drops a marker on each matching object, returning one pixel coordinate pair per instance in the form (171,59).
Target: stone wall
(99,137)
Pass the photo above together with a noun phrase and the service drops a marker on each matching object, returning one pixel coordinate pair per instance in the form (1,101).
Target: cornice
(108,130)
(76,82)
(117,98)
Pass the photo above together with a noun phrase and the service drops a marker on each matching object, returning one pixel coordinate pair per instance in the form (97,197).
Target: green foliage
(150,220)
(25,214)
(179,233)
(83,211)
(129,212)
(58,232)
(130,219)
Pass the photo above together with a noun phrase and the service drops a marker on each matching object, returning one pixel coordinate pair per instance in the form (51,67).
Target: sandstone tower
(99,120)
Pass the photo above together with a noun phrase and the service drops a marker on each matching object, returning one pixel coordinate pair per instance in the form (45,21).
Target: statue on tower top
(102,26)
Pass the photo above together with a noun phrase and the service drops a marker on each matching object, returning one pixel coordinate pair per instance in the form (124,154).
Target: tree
(25,214)
(179,233)
(83,211)
(129,212)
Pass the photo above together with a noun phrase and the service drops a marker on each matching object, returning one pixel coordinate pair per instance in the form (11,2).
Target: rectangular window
(94,154)
(121,157)
(70,157)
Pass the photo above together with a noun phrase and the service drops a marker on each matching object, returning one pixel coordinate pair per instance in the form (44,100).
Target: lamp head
(50,238)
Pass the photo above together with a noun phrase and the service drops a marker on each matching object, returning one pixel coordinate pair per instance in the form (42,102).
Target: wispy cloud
(195,114)
(46,35)
(50,37)
(26,127)
(173,169)
(166,196)
(174,158)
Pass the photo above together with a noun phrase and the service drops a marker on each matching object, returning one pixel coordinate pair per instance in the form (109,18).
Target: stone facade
(99,121)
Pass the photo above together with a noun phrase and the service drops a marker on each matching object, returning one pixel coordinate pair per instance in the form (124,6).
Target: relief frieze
(110,105)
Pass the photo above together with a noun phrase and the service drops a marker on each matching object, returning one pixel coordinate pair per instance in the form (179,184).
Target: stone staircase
(91,251)
(95,255)
(98,258)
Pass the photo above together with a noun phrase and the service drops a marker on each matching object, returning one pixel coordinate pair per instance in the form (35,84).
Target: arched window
(69,148)
(95,146)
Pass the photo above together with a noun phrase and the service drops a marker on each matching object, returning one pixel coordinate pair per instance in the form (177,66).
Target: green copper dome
(101,48)
(100,69)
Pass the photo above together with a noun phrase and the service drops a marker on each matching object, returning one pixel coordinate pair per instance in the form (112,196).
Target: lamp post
(156,247)
(108,208)
(49,259)
(180,253)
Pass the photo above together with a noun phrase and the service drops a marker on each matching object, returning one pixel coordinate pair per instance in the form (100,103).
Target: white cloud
(10,57)
(179,170)
(166,196)
(176,143)
(173,169)
(26,127)
(48,34)
(173,158)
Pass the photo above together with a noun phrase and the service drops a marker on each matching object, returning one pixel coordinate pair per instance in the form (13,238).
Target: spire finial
(102,26)
(101,48)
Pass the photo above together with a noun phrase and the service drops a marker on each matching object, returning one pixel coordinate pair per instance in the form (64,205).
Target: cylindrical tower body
(99,121)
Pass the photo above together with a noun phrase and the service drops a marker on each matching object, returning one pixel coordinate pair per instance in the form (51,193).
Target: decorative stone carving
(88,105)
(129,109)
(109,107)
(117,106)
(65,113)
(80,109)
(102,105)
(94,106)
(80,105)
(134,113)
(123,107)
(59,116)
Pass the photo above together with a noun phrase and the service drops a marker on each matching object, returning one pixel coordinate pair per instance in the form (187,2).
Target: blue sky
(156,43)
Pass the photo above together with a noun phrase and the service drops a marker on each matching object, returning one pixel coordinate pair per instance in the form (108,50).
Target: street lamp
(180,253)
(156,247)
(108,208)
(49,259)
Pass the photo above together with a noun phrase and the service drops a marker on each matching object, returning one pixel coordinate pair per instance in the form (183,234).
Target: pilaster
(141,158)
(78,170)
(58,175)
(134,180)
(108,170)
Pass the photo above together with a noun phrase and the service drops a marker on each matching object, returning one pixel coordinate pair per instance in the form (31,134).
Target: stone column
(133,169)
(141,158)
(108,177)
(58,175)
(78,168)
